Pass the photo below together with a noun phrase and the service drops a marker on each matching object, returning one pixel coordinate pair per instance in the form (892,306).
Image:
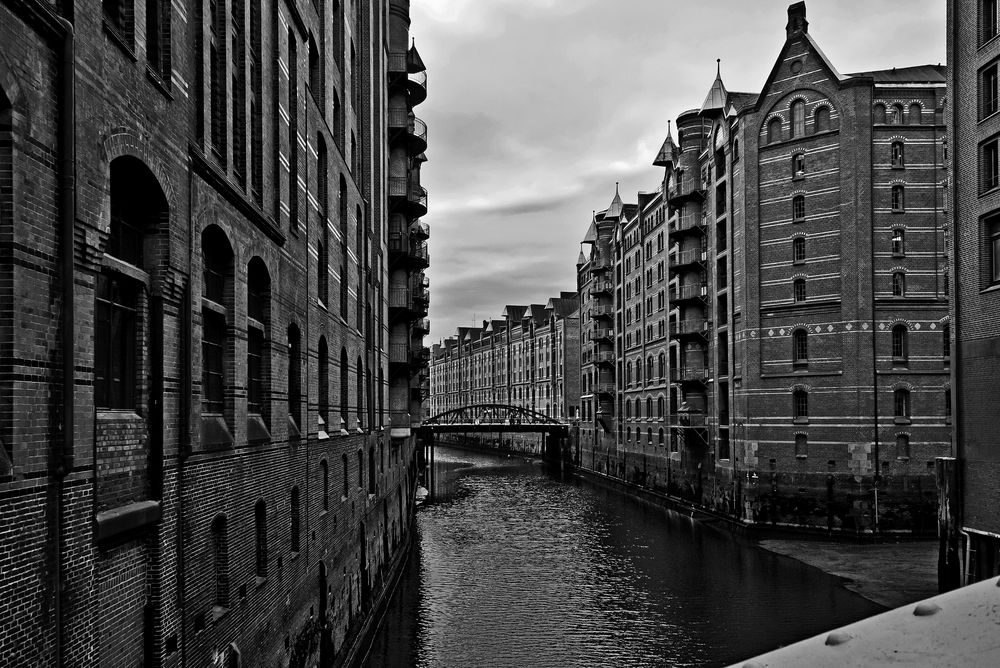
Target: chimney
(796,20)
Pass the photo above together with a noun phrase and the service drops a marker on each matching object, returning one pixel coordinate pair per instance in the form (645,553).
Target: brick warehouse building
(807,296)
(974,205)
(529,359)
(207,460)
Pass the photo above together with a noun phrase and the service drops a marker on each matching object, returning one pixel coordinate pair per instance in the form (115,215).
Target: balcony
(687,222)
(688,420)
(420,231)
(679,195)
(417,200)
(403,248)
(600,264)
(691,374)
(416,86)
(602,333)
(691,327)
(399,353)
(604,357)
(420,357)
(604,388)
(404,125)
(602,311)
(422,326)
(688,292)
(687,258)
(602,288)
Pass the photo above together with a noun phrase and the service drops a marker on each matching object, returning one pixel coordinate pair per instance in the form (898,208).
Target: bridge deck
(496,427)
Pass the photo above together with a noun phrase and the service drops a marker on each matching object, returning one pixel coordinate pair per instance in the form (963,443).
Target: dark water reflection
(514,568)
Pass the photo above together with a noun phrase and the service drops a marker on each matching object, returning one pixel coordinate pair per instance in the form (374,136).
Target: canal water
(513,567)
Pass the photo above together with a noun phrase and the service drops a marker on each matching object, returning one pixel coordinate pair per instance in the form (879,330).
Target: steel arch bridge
(493,418)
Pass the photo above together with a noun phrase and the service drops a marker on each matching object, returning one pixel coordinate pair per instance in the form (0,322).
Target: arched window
(359,376)
(324,472)
(628,434)
(798,250)
(660,402)
(258,327)
(323,244)
(902,446)
(898,239)
(295,519)
(900,347)
(315,73)
(220,560)
(260,534)
(798,128)
(901,403)
(649,367)
(649,407)
(913,117)
(137,206)
(323,387)
(660,439)
(361,469)
(898,201)
(821,119)
(346,479)
(798,208)
(878,114)
(649,435)
(801,445)
(345,385)
(774,130)
(800,405)
(638,372)
(799,290)
(638,409)
(372,471)
(662,365)
(216,301)
(799,166)
(294,377)
(628,409)
(896,154)
(896,114)
(800,347)
(898,284)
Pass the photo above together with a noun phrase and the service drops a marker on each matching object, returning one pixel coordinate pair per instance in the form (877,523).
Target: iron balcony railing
(396,62)
(422,325)
(683,258)
(602,311)
(690,326)
(687,420)
(399,298)
(604,357)
(420,231)
(599,333)
(604,388)
(399,118)
(688,291)
(689,222)
(692,373)
(399,353)
(601,287)
(398,186)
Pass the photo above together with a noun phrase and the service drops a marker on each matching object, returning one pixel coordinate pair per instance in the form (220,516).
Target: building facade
(974,205)
(207,454)
(528,359)
(806,289)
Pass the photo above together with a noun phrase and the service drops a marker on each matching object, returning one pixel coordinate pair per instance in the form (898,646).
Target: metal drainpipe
(871,228)
(67,214)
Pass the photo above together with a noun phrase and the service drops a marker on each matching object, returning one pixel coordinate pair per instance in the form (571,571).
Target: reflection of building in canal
(528,358)
(766,335)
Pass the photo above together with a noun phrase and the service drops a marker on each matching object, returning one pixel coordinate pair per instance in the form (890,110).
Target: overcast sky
(536,108)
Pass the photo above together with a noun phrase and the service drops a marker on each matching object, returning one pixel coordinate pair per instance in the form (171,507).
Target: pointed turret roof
(582,260)
(414,63)
(715,101)
(615,209)
(668,152)
(591,235)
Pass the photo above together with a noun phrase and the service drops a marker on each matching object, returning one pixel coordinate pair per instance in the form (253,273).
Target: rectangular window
(217,77)
(992,229)
(801,445)
(212,356)
(158,38)
(898,243)
(988,20)
(989,167)
(988,91)
(118,16)
(898,284)
(255,370)
(114,356)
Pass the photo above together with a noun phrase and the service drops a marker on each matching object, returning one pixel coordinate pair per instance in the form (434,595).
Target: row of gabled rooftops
(520,318)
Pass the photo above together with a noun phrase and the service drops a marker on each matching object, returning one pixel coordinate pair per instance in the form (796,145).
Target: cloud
(538,107)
